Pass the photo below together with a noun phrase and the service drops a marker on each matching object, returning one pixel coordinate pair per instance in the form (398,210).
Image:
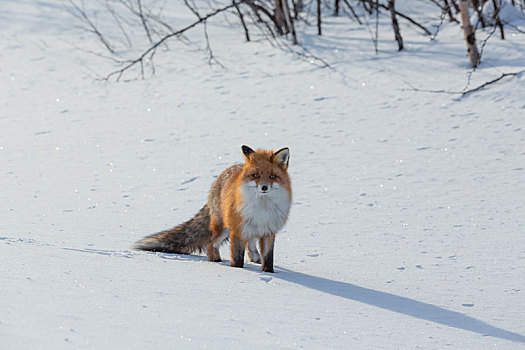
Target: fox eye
(256,176)
(272,176)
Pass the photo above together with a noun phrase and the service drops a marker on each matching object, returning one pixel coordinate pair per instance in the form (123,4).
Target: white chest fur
(263,213)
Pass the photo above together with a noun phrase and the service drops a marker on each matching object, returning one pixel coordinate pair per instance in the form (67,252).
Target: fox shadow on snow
(383,300)
(397,304)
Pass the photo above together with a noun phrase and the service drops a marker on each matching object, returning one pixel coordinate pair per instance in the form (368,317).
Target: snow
(406,229)
(508,14)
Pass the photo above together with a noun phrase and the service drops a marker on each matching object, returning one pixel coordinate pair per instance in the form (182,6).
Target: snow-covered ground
(406,229)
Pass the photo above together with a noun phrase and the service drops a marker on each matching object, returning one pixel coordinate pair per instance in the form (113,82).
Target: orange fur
(265,165)
(248,202)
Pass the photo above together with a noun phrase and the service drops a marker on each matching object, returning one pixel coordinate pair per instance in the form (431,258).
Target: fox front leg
(267,245)
(237,250)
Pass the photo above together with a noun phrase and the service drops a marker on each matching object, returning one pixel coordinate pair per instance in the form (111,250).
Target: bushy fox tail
(191,236)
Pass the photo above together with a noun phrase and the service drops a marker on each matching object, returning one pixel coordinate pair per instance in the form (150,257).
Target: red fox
(248,202)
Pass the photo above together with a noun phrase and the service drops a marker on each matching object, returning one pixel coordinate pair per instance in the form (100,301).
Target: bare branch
(192,8)
(427,32)
(81,14)
(143,20)
(353,11)
(241,17)
(395,25)
(372,3)
(503,75)
(140,60)
(438,27)
(113,13)
(467,92)
(211,58)
(289,21)
(256,8)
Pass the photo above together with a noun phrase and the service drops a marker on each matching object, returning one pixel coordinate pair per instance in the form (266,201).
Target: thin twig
(81,14)
(383,6)
(353,11)
(153,47)
(483,43)
(307,56)
(119,24)
(466,92)
(503,75)
(143,21)
(377,27)
(438,27)
(192,9)
(241,17)
(211,58)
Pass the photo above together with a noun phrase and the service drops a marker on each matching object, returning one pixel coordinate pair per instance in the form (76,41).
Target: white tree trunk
(470,37)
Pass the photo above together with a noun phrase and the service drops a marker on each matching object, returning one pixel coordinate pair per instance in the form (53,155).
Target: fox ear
(282,157)
(247,151)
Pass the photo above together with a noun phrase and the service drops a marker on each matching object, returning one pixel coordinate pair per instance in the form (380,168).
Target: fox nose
(264,188)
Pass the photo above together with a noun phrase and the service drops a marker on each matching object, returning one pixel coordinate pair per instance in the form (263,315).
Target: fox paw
(254,259)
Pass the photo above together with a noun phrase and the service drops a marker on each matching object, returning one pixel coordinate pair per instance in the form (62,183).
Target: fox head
(265,172)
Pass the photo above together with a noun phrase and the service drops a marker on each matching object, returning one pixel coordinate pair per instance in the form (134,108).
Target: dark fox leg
(267,245)
(219,233)
(237,249)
